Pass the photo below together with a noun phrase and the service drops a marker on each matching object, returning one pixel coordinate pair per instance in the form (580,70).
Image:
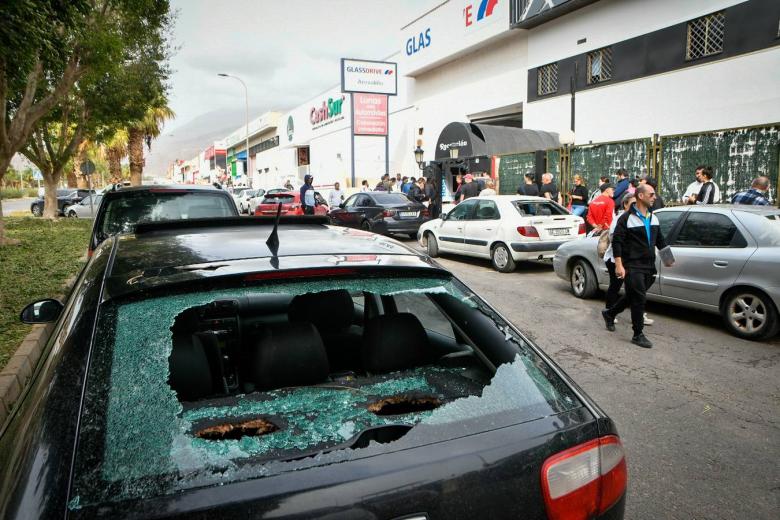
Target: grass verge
(50,252)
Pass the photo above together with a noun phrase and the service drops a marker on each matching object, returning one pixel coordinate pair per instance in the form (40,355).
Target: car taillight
(584,481)
(388,213)
(297,209)
(528,231)
(425,213)
(582,229)
(89,252)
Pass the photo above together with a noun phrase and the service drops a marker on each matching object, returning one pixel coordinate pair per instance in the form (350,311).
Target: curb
(22,365)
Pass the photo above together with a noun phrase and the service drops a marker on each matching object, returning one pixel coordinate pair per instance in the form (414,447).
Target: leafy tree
(117,52)
(145,129)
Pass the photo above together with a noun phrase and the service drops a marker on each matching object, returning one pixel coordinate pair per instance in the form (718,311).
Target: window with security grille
(547,79)
(705,36)
(599,65)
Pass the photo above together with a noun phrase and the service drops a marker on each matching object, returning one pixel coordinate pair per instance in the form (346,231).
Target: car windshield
(276,198)
(538,209)
(390,198)
(189,389)
(121,214)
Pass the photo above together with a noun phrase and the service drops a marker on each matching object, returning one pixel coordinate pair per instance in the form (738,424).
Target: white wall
(611,21)
(734,92)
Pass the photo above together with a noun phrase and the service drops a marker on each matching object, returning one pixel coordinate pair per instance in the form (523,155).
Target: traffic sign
(37,175)
(87,167)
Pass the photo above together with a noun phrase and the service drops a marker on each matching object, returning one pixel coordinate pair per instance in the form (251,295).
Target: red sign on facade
(369,114)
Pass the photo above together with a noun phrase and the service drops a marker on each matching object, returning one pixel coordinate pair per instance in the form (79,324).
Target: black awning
(474,140)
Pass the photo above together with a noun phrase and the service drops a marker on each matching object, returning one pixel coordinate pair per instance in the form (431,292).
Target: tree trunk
(115,166)
(135,146)
(50,181)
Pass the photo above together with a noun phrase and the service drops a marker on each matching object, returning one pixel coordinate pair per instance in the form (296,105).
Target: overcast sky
(285,50)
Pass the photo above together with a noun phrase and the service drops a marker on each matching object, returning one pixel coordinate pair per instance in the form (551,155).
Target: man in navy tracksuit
(637,234)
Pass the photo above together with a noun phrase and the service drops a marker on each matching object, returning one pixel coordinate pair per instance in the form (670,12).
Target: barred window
(547,79)
(705,36)
(599,65)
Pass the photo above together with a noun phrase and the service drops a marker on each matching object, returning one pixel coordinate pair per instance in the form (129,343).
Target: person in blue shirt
(307,195)
(621,186)
(756,195)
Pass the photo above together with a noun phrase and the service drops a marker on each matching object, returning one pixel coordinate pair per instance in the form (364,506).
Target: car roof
(510,198)
(239,246)
(185,187)
(717,208)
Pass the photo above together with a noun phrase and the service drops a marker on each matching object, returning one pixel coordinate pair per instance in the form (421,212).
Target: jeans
(579,210)
(615,283)
(637,283)
(308,210)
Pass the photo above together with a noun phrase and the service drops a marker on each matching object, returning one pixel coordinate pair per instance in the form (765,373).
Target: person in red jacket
(602,209)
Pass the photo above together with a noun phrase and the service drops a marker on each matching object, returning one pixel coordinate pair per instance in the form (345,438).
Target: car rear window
(390,198)
(538,209)
(121,214)
(210,387)
(276,198)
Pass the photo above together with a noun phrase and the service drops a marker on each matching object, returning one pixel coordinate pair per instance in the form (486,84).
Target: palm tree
(145,130)
(115,150)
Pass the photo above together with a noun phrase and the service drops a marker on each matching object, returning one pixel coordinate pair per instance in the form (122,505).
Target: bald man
(756,195)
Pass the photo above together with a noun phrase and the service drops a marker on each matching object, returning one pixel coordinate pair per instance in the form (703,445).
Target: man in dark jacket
(620,188)
(307,195)
(637,234)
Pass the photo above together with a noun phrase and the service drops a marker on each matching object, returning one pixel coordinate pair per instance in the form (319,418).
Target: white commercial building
(583,72)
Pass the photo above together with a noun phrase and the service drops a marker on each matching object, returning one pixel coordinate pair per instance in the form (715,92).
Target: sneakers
(648,321)
(609,321)
(642,341)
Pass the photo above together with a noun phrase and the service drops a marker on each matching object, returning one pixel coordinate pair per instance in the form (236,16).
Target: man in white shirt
(694,188)
(336,196)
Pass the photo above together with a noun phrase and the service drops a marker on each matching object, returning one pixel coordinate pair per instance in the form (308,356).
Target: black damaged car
(219,369)
(381,212)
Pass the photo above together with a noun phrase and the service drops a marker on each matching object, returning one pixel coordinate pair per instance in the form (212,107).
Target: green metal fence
(736,156)
(593,161)
(512,169)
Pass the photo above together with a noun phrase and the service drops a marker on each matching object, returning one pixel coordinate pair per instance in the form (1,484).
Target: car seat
(393,342)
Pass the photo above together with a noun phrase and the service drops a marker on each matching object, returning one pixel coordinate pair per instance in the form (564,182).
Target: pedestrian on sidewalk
(578,197)
(756,195)
(707,191)
(336,196)
(637,234)
(489,189)
(364,186)
(549,189)
(622,185)
(648,179)
(529,189)
(307,195)
(601,211)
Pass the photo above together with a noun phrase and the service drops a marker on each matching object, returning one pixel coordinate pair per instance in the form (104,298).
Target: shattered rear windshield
(205,388)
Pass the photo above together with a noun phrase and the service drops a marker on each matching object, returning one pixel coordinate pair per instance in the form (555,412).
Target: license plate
(556,232)
(409,214)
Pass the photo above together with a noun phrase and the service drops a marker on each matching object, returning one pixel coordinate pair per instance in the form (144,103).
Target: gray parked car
(83,209)
(727,262)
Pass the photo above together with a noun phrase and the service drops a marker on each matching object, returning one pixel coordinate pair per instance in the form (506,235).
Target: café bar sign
(370,77)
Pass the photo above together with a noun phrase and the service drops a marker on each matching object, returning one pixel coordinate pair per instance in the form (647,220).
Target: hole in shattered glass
(237,430)
(404,404)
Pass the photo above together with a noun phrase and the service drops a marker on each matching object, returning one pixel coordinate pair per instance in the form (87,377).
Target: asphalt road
(11,205)
(699,414)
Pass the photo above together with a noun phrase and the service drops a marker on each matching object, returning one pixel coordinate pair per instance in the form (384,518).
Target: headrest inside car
(288,354)
(394,342)
(329,311)
(190,374)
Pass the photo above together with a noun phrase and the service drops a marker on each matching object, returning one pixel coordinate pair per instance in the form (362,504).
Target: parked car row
(65,197)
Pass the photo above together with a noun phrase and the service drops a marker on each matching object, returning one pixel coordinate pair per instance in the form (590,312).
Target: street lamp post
(418,157)
(246,98)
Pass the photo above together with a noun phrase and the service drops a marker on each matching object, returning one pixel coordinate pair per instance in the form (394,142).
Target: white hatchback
(503,228)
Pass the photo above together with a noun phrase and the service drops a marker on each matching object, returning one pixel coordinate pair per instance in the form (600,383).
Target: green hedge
(16,193)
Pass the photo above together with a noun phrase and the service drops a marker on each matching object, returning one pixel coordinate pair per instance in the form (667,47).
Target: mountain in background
(186,141)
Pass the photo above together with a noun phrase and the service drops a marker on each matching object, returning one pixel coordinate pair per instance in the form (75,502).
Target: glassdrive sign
(327,113)
(370,77)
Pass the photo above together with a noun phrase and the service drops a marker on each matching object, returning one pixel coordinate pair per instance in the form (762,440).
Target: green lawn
(49,254)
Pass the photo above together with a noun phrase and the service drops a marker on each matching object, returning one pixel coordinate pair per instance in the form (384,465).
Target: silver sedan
(727,261)
(83,209)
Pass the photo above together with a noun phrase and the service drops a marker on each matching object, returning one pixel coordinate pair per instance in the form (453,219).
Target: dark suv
(123,208)
(220,369)
(65,197)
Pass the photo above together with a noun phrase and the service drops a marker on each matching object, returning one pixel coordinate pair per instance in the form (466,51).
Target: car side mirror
(443,216)
(42,311)
(341,205)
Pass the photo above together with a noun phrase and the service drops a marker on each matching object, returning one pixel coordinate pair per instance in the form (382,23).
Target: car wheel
(583,280)
(72,214)
(365,225)
(432,245)
(37,210)
(749,314)
(502,259)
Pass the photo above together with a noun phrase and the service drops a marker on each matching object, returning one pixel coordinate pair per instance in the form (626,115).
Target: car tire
(365,225)
(431,245)
(749,314)
(72,214)
(501,258)
(37,210)
(583,280)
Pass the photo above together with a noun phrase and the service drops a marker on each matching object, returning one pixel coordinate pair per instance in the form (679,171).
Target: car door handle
(488,229)
(720,263)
